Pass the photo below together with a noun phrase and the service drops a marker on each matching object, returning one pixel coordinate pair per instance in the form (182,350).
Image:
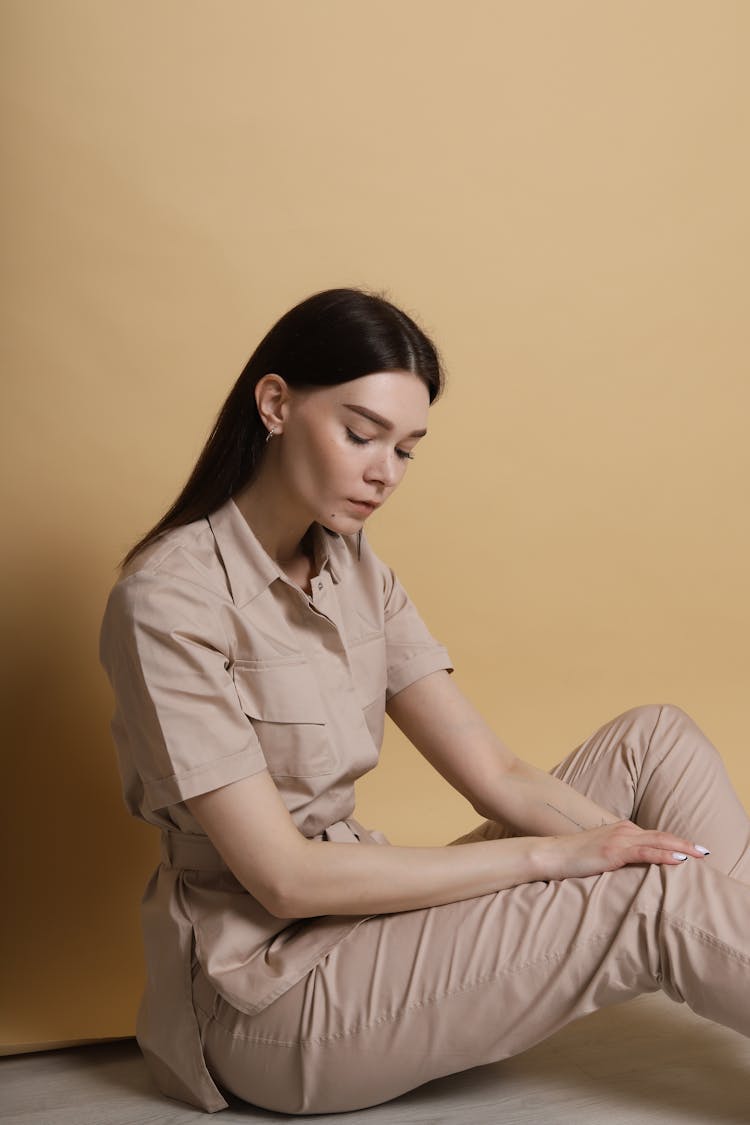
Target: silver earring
(270,434)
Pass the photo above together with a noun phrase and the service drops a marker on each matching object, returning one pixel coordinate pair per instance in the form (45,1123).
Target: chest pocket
(283,703)
(367,658)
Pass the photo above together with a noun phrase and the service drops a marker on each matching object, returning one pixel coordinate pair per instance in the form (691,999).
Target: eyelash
(403,453)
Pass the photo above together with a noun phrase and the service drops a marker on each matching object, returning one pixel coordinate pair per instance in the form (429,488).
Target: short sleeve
(411,650)
(178,721)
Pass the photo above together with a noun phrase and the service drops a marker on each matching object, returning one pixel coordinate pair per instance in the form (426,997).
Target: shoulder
(178,575)
(186,554)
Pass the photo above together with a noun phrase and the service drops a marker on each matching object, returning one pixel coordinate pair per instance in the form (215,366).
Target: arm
(447,729)
(294,877)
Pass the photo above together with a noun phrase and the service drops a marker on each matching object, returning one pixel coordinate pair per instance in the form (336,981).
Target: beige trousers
(412,996)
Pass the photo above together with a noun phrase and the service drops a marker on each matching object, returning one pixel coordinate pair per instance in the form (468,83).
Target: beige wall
(558,189)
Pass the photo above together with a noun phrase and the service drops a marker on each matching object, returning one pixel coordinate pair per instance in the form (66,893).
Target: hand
(611,846)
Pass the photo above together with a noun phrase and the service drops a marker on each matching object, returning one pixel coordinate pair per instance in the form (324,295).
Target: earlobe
(271,398)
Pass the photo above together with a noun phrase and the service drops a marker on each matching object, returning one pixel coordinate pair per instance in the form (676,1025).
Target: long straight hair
(329,338)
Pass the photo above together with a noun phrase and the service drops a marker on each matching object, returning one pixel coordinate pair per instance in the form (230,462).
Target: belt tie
(188,851)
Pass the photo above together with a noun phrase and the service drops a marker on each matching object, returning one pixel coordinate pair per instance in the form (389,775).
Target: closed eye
(404,454)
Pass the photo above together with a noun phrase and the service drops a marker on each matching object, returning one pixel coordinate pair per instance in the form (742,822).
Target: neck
(287,541)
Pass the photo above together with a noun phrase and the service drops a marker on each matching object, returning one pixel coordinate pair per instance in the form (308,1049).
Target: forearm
(294,877)
(445,726)
(533,801)
(374,879)
(338,878)
(575,837)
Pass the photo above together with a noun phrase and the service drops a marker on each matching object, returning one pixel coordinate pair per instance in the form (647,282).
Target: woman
(254,642)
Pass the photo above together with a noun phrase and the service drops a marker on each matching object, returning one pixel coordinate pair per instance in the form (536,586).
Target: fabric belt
(343,832)
(185,850)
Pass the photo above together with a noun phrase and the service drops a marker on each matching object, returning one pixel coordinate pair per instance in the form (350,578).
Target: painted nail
(678,855)
(702,850)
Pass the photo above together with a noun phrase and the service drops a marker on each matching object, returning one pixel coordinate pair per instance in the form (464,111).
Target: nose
(384,468)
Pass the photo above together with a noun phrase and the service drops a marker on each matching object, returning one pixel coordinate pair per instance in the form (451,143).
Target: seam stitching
(423,1003)
(707,938)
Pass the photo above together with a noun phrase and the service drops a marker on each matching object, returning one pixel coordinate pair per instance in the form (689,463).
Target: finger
(649,854)
(645,854)
(678,844)
(697,851)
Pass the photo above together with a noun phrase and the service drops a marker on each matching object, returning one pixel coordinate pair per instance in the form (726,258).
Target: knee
(644,719)
(652,713)
(669,727)
(659,724)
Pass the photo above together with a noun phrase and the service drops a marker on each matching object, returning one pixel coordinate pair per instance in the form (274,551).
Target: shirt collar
(250,569)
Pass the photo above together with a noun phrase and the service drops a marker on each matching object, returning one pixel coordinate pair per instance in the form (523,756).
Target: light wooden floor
(644,1062)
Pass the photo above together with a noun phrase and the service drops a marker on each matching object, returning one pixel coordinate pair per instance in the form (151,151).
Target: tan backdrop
(557,189)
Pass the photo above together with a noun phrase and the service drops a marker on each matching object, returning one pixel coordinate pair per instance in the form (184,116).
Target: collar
(250,569)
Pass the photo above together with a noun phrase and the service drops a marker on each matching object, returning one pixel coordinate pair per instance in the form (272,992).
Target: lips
(371,504)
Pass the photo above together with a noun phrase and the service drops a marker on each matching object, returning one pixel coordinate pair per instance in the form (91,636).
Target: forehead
(401,396)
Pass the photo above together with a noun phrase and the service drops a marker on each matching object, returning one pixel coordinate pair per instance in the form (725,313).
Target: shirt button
(320,585)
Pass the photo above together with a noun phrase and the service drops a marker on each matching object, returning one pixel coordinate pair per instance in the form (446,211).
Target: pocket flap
(283,693)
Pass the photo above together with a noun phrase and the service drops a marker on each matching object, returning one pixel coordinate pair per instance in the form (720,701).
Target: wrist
(535,857)
(545,857)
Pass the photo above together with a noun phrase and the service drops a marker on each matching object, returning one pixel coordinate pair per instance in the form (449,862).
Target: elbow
(280,908)
(287,894)
(287,904)
(483,803)
(292,907)
(481,809)
(488,810)
(274,903)
(279,898)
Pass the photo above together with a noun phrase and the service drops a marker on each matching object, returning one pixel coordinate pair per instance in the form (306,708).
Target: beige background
(557,189)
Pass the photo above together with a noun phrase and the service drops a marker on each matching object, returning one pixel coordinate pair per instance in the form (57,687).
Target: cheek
(326,462)
(340,462)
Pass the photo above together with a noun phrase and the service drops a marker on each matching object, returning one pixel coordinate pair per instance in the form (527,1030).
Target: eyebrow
(378,420)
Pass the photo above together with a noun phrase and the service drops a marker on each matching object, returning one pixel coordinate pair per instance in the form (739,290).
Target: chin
(342,522)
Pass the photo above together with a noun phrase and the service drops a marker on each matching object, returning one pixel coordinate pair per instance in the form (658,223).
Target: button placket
(319,591)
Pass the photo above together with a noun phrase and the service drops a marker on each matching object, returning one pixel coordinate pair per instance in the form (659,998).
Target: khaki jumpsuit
(221,666)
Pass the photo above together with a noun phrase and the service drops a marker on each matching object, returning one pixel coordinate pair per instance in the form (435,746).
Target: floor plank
(644,1062)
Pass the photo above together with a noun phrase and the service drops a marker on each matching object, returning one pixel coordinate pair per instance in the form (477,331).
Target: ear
(271,397)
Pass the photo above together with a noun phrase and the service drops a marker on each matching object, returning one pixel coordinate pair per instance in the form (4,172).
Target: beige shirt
(221,667)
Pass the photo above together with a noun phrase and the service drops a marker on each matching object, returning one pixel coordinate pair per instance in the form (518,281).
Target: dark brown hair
(329,338)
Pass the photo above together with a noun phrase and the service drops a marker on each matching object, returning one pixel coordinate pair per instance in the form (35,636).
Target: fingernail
(678,855)
(702,850)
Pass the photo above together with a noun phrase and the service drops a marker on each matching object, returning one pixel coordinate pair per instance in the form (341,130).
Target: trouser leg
(412,996)
(655,766)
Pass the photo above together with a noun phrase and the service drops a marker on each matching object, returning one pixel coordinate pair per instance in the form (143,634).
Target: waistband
(188,851)
(185,850)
